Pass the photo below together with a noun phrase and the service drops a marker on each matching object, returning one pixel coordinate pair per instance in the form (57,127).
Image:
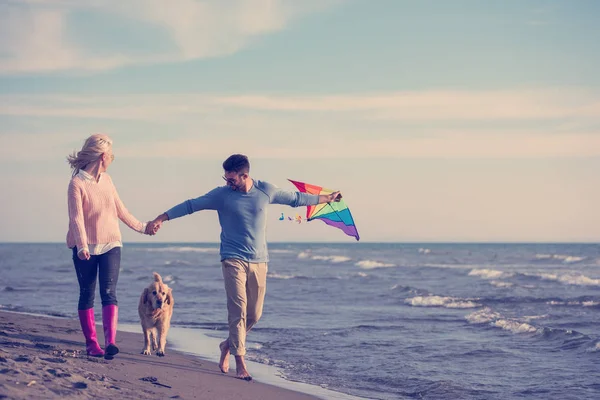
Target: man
(242,208)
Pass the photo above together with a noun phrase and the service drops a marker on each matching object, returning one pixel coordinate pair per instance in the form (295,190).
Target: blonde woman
(94,213)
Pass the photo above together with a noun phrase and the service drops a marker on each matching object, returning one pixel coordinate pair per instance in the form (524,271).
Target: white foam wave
(424,251)
(184,249)
(280,251)
(589,303)
(514,326)
(489,273)
(501,284)
(178,262)
(564,258)
(482,316)
(333,259)
(280,276)
(330,258)
(530,317)
(439,301)
(362,274)
(369,264)
(169,279)
(570,278)
(487,316)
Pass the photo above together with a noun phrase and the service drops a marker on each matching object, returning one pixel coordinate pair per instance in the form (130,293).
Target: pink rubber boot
(88,326)
(110,316)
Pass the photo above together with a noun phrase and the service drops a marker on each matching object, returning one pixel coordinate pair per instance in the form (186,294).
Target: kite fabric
(336,214)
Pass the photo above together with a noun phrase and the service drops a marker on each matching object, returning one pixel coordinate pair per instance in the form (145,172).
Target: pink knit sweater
(94,212)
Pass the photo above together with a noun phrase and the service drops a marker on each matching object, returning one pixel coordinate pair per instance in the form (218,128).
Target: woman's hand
(83,254)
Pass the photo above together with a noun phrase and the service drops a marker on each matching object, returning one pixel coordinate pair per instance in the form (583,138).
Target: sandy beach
(44,358)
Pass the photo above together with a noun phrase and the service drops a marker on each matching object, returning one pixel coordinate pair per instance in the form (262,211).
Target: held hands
(153,226)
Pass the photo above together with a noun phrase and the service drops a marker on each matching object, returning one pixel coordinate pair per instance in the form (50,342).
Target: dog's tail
(157,277)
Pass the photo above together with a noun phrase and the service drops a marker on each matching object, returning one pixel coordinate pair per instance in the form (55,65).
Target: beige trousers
(245,285)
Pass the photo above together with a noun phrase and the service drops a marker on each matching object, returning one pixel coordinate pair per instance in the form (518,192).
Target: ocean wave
(515,326)
(178,262)
(569,278)
(182,249)
(369,264)
(490,273)
(501,284)
(280,251)
(585,303)
(567,338)
(424,251)
(274,275)
(487,316)
(439,301)
(560,257)
(331,258)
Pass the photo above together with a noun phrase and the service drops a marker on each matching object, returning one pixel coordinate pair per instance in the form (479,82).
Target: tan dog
(156,309)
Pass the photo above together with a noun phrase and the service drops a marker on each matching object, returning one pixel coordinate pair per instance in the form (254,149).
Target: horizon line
(344,242)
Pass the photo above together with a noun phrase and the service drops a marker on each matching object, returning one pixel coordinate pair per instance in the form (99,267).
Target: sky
(440,121)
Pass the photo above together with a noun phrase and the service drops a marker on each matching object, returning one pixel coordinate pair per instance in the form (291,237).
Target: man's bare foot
(240,369)
(224,362)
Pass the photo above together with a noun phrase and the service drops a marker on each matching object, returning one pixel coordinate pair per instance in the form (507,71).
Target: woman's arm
(76,219)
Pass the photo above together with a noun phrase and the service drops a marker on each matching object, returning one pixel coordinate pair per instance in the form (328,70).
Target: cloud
(439,124)
(437,104)
(40,36)
(429,105)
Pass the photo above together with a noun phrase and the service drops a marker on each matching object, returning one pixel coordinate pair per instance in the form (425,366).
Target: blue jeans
(105,267)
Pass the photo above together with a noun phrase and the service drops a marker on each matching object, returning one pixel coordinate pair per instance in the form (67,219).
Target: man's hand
(151,228)
(335,196)
(83,254)
(328,198)
(156,224)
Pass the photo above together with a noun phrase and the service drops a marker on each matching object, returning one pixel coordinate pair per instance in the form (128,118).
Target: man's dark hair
(237,163)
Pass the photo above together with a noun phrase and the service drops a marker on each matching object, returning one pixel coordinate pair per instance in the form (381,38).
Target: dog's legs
(153,335)
(162,340)
(146,350)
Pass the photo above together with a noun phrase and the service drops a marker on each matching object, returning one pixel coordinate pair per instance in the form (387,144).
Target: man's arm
(297,199)
(209,201)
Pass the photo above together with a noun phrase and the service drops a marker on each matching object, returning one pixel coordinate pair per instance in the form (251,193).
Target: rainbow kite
(336,214)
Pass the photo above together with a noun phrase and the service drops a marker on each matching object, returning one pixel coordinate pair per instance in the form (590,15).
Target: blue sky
(439,121)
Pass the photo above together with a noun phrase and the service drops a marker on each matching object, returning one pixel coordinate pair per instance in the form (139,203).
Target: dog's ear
(145,296)
(170,296)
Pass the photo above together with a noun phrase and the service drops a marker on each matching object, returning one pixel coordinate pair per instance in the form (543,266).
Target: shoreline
(43,357)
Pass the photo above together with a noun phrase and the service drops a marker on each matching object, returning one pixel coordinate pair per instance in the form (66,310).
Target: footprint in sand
(25,358)
(55,360)
(8,371)
(58,373)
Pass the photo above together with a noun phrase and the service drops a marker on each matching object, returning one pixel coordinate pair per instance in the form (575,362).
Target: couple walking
(95,239)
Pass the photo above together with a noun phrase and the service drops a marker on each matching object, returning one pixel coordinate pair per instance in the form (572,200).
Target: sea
(368,320)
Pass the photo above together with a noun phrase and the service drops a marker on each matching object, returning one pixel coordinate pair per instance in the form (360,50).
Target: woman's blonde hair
(92,150)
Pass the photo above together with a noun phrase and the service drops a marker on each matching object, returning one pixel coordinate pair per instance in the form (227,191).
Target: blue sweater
(243,216)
